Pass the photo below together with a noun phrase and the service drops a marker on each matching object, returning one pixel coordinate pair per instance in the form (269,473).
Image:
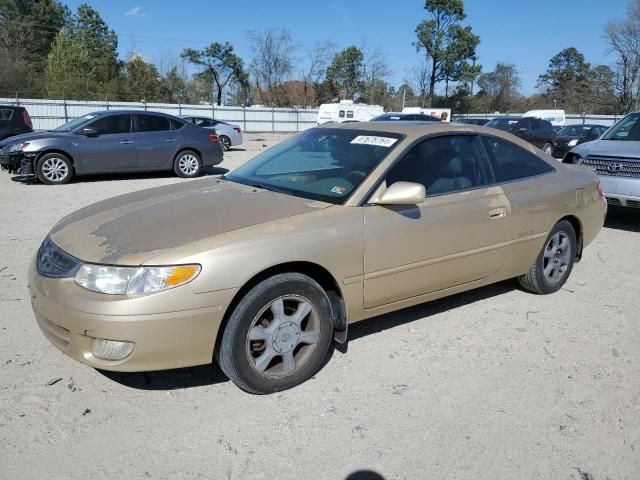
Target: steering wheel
(356,176)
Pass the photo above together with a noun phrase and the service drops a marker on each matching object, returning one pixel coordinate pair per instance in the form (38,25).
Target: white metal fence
(49,114)
(571,119)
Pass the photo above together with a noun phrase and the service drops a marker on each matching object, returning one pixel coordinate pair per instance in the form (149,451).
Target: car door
(156,143)
(111,149)
(522,177)
(452,238)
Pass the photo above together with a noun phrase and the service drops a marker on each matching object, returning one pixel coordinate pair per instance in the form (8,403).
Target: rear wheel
(554,263)
(225,142)
(187,164)
(548,149)
(54,169)
(278,335)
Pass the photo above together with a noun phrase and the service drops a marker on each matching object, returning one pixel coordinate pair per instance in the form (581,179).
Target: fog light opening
(111,349)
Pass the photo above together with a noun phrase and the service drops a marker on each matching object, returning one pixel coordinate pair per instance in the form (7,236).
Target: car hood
(27,137)
(611,148)
(133,228)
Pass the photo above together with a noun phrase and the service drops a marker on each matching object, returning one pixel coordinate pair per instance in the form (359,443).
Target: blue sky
(527,33)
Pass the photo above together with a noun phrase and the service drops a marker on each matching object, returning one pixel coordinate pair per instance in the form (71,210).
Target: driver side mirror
(89,132)
(403,193)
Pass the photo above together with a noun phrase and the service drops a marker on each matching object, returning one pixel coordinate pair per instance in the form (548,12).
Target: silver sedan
(229,133)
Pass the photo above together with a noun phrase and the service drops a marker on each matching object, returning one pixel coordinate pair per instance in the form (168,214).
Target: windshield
(73,124)
(502,123)
(320,164)
(626,129)
(575,131)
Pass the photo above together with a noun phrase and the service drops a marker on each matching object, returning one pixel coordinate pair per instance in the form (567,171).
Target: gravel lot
(494,383)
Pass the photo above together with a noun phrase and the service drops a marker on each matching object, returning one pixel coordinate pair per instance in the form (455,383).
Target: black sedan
(405,117)
(573,135)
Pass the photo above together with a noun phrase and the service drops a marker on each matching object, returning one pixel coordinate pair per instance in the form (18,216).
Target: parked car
(261,268)
(535,131)
(473,121)
(573,135)
(615,158)
(405,117)
(112,142)
(14,121)
(230,134)
(503,123)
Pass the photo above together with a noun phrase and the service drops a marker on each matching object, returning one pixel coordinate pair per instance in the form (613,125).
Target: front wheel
(187,164)
(54,169)
(278,335)
(548,149)
(554,263)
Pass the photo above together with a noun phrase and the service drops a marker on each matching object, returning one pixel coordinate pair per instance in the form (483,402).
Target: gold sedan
(263,268)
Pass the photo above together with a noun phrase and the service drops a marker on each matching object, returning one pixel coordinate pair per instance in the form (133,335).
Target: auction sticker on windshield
(377,141)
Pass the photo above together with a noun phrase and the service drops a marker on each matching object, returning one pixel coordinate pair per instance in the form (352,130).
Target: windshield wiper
(262,187)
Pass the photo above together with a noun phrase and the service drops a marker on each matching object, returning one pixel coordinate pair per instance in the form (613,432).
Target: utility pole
(404,96)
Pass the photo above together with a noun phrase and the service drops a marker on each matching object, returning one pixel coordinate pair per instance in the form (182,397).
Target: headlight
(133,280)
(573,142)
(17,147)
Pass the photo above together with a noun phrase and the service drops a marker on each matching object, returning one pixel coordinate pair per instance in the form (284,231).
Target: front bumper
(176,331)
(621,191)
(17,163)
(559,151)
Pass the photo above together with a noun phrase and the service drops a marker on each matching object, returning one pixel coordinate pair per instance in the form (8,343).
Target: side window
(349,114)
(176,124)
(526,123)
(341,113)
(510,162)
(112,124)
(153,123)
(443,165)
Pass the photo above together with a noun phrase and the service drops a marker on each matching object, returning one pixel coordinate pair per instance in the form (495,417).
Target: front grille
(54,262)
(612,166)
(633,203)
(614,201)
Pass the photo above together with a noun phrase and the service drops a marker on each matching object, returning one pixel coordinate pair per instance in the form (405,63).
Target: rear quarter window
(511,162)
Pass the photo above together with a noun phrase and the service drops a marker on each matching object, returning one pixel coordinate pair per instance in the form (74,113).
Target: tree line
(47,50)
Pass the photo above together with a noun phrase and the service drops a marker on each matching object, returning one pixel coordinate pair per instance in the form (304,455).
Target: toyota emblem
(615,167)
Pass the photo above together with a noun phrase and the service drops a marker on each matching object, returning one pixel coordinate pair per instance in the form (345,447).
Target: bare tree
(271,63)
(315,65)
(624,40)
(418,78)
(376,73)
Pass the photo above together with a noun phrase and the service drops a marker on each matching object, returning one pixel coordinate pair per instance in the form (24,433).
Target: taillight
(237,129)
(26,119)
(600,189)
(213,137)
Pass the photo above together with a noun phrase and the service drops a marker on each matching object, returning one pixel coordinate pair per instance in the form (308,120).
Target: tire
(272,341)
(54,169)
(187,164)
(225,142)
(548,149)
(554,263)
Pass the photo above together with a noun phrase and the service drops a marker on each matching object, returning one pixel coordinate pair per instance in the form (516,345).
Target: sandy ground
(492,384)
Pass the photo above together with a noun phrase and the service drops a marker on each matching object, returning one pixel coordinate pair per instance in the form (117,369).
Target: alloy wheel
(188,164)
(557,257)
(283,336)
(55,169)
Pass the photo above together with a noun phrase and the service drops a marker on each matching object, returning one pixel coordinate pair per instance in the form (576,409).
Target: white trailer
(443,114)
(347,111)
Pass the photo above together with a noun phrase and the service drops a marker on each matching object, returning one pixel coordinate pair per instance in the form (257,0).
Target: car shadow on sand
(211,374)
(620,218)
(32,180)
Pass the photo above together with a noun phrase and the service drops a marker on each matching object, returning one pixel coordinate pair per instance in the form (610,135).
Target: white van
(347,111)
(443,114)
(556,117)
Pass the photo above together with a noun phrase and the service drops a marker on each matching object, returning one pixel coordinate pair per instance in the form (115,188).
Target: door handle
(498,213)
(126,142)
(170,140)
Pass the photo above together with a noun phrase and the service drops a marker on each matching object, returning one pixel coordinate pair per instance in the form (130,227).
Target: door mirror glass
(89,132)
(403,193)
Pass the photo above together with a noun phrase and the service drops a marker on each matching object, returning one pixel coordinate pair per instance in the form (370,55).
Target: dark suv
(534,130)
(14,121)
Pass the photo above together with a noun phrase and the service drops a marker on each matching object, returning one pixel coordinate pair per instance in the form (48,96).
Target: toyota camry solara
(262,269)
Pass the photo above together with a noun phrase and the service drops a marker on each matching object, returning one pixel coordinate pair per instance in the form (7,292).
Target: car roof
(12,107)
(415,130)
